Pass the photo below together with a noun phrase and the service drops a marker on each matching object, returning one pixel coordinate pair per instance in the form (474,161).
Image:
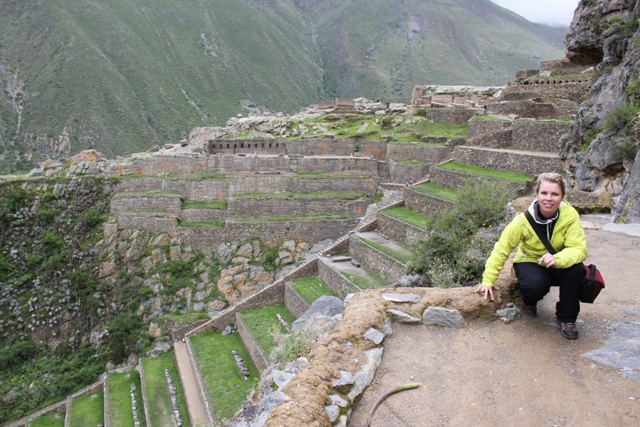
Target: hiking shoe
(568,330)
(530,310)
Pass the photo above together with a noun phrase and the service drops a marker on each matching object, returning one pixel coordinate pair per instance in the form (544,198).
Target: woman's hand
(547,260)
(487,290)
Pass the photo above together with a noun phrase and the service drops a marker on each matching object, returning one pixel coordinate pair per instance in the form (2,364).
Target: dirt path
(525,373)
(195,404)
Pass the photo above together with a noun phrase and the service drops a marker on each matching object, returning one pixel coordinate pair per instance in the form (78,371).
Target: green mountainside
(124,75)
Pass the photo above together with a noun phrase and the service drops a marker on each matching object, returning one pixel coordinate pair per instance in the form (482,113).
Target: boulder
(325,306)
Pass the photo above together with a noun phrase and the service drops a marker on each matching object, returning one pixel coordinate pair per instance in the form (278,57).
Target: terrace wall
(539,136)
(339,284)
(400,230)
(141,202)
(454,180)
(387,267)
(296,305)
(423,203)
(480,127)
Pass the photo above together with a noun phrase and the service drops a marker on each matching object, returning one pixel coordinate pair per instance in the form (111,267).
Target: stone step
(453,180)
(403,225)
(299,294)
(344,278)
(255,327)
(424,200)
(384,256)
(512,161)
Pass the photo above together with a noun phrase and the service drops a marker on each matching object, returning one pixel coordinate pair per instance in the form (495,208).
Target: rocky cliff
(602,147)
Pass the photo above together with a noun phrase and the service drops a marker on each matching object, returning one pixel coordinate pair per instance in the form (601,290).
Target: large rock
(324,306)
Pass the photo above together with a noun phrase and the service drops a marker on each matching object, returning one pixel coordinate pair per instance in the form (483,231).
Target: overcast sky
(551,12)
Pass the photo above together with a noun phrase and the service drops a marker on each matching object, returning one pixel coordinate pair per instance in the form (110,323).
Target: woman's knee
(534,280)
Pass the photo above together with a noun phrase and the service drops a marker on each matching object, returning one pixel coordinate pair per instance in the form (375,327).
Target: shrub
(621,119)
(289,346)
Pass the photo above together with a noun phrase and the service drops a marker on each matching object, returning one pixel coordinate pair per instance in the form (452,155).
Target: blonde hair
(552,177)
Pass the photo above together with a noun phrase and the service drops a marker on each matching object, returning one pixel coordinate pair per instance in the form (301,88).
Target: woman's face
(549,197)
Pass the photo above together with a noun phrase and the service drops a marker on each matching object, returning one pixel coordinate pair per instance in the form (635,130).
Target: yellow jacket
(568,240)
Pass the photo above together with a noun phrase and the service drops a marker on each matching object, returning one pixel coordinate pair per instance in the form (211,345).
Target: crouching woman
(537,269)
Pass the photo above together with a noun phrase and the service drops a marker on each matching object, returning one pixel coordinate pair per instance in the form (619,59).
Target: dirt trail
(195,404)
(524,373)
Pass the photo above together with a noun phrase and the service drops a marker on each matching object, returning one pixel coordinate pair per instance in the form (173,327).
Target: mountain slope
(123,75)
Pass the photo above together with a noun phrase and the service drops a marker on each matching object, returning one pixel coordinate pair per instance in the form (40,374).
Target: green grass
(408,216)
(489,173)
(201,224)
(224,383)
(556,121)
(487,119)
(340,195)
(311,288)
(119,403)
(436,191)
(377,198)
(128,194)
(160,409)
(88,410)
(371,280)
(48,421)
(262,322)
(184,319)
(205,205)
(404,256)
(316,217)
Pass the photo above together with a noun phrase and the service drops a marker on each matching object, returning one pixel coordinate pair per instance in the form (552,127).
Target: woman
(537,270)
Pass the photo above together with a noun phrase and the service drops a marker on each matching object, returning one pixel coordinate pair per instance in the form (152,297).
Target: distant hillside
(124,75)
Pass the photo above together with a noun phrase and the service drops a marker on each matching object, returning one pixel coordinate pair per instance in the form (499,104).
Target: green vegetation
(119,404)
(340,195)
(405,255)
(88,410)
(436,191)
(205,205)
(316,217)
(222,378)
(159,194)
(263,321)
(311,288)
(487,119)
(368,280)
(199,224)
(160,409)
(488,173)
(184,319)
(408,216)
(289,346)
(377,198)
(51,420)
(406,161)
(454,253)
(589,137)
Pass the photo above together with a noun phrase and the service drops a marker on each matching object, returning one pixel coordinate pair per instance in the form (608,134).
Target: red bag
(592,284)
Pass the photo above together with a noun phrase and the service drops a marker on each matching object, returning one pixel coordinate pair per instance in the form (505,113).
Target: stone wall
(566,112)
(204,214)
(224,188)
(280,206)
(523,74)
(561,66)
(388,268)
(339,284)
(524,109)
(549,88)
(455,180)
(227,163)
(400,230)
(401,172)
(497,139)
(296,305)
(374,149)
(479,127)
(452,116)
(423,203)
(431,155)
(251,344)
(539,136)
(154,223)
(315,146)
(513,162)
(124,202)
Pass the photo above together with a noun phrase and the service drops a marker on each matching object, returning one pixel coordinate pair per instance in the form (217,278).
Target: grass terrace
(119,403)
(488,173)
(340,195)
(488,119)
(51,420)
(404,254)
(201,224)
(367,280)
(408,216)
(316,217)
(184,319)
(435,191)
(128,194)
(408,161)
(311,288)
(87,410)
(219,205)
(331,175)
(223,381)
(160,408)
(262,322)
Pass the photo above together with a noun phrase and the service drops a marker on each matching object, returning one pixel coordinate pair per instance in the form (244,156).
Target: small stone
(333,411)
(346,378)
(509,314)
(337,400)
(402,297)
(273,400)
(402,317)
(374,335)
(439,316)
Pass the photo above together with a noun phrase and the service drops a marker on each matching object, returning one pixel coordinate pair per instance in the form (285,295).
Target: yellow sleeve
(511,236)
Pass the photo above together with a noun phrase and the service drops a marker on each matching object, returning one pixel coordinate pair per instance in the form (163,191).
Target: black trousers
(536,281)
